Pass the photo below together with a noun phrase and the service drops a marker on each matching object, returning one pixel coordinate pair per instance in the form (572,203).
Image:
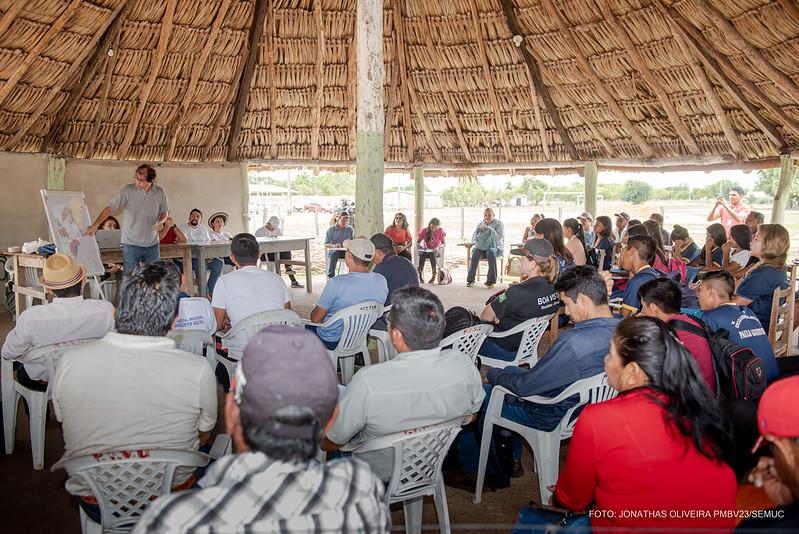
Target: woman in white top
(575,240)
(217,222)
(737,250)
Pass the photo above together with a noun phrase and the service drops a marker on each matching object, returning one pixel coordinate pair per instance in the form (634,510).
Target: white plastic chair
(418,457)
(250,326)
(385,350)
(545,445)
(468,340)
(13,391)
(196,341)
(356,321)
(125,483)
(528,347)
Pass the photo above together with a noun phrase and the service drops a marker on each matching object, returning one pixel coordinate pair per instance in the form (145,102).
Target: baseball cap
(361,248)
(382,242)
(777,413)
(537,249)
(274,220)
(585,215)
(622,214)
(273,374)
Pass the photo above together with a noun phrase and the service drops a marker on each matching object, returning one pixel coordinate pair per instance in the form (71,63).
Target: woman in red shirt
(655,456)
(400,235)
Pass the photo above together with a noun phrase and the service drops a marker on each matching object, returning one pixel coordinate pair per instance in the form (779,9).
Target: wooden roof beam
(404,89)
(67,109)
(492,94)
(69,74)
(536,79)
(196,70)
(102,108)
(789,6)
(708,91)
(597,82)
(20,70)
(453,117)
(316,113)
(352,96)
(154,68)
(720,66)
(254,45)
(640,65)
(391,102)
(542,127)
(270,72)
(11,14)
(428,131)
(752,53)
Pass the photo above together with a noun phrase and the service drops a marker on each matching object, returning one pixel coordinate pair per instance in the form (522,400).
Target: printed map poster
(68,218)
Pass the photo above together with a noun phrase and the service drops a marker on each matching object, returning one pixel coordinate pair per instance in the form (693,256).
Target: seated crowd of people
(673,439)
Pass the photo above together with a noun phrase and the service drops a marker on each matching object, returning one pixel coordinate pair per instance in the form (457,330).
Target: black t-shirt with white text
(534,297)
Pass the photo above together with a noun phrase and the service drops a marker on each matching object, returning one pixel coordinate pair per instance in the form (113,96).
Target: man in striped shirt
(276,414)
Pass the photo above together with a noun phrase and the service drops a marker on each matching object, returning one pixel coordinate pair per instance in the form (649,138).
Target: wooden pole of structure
(418,188)
(787,170)
(245,196)
(590,174)
(369,161)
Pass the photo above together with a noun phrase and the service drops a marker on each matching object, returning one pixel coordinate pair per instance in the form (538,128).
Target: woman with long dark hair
(684,247)
(663,444)
(737,251)
(430,240)
(603,239)
(660,261)
(399,233)
(552,231)
(712,256)
(575,240)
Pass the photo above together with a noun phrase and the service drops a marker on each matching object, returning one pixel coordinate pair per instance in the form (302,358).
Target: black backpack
(739,373)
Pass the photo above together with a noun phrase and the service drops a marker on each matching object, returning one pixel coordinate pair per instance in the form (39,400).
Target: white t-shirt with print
(195,313)
(741,257)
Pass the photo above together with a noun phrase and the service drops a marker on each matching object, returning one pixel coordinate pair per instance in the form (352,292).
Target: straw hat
(215,215)
(61,271)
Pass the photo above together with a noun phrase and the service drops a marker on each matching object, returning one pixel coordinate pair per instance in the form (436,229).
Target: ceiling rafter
(254,45)
(9,85)
(67,109)
(110,62)
(753,54)
(597,82)
(352,96)
(271,32)
(789,6)
(157,58)
(391,102)
(640,65)
(489,79)
(316,113)
(196,70)
(404,83)
(11,14)
(453,116)
(69,74)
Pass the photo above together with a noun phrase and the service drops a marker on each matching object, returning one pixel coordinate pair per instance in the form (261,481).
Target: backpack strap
(679,324)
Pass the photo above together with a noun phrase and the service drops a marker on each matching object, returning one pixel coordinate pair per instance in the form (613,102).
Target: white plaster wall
(211,188)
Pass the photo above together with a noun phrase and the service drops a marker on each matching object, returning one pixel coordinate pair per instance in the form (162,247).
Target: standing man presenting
(733,213)
(146,210)
(488,238)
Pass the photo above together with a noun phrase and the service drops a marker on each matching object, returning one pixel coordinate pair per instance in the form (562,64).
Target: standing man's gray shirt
(141,213)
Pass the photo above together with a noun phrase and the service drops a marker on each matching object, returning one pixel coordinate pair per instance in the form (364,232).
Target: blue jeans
(213,267)
(330,345)
(133,254)
(332,260)
(492,350)
(477,254)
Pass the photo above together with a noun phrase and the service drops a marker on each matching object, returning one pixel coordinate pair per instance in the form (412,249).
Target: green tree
(636,192)
(326,184)
(465,194)
(533,188)
(714,190)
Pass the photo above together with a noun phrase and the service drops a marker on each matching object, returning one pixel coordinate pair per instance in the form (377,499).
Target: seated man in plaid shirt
(276,413)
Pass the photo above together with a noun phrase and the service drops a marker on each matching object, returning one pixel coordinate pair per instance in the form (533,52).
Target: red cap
(777,412)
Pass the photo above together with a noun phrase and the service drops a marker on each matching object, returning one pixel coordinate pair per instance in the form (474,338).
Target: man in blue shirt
(587,222)
(398,271)
(359,285)
(334,242)
(715,293)
(488,240)
(635,259)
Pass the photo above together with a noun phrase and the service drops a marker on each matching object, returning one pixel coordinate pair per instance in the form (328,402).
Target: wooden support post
(418,188)
(245,197)
(56,169)
(787,170)
(590,174)
(371,118)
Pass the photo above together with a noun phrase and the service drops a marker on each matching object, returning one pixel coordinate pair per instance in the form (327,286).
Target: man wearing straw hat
(146,211)
(68,318)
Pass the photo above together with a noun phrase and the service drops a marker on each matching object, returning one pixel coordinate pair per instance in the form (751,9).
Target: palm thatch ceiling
(466,81)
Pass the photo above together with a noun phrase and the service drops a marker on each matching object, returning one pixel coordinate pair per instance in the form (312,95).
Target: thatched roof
(467,81)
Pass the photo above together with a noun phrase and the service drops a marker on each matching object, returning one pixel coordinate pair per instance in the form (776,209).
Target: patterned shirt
(251,493)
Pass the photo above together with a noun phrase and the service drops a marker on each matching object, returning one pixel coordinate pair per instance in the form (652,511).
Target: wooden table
(180,251)
(221,249)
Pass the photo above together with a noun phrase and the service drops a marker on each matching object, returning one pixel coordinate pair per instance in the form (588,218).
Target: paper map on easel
(68,218)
